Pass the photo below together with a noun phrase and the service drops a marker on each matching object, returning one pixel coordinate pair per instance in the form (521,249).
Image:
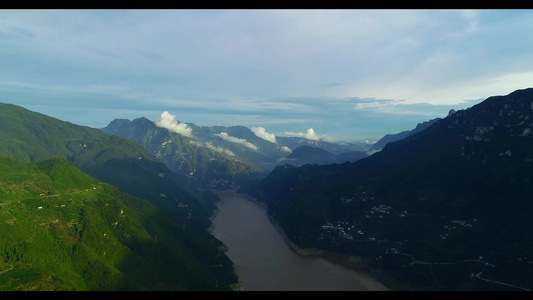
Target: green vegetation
(31,136)
(167,245)
(63,230)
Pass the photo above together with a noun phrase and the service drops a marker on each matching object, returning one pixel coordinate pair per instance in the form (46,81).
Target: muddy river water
(265,261)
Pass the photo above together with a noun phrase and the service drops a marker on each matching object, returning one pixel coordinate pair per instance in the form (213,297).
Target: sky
(348,74)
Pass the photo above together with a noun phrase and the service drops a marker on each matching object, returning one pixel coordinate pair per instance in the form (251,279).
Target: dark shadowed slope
(446,208)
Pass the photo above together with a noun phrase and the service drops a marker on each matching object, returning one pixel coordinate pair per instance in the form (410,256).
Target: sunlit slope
(32,136)
(64,230)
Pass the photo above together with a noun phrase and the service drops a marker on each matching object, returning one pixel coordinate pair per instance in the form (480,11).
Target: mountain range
(448,207)
(303,155)
(225,157)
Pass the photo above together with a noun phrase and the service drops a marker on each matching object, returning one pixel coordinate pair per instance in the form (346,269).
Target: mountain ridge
(456,191)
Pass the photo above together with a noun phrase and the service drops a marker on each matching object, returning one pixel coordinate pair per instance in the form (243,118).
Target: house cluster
(345,230)
(166,142)
(382,209)
(456,225)
(360,195)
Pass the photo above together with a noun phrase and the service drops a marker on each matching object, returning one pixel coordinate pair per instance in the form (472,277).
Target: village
(352,230)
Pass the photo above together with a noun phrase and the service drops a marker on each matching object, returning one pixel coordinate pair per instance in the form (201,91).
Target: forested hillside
(64,230)
(34,137)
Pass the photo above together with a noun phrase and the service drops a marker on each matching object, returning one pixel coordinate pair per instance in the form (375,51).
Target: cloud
(169,122)
(233,139)
(261,132)
(285,148)
(214,148)
(310,134)
(264,66)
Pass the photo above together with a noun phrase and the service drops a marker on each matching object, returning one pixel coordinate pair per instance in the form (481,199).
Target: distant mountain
(225,157)
(201,159)
(380,144)
(309,155)
(448,207)
(63,230)
(335,148)
(34,137)
(312,155)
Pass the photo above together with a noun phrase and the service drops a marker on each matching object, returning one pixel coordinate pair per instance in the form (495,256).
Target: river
(265,261)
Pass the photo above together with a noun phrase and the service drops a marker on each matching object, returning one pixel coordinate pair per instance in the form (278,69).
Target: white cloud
(169,122)
(310,134)
(245,61)
(233,139)
(261,132)
(214,148)
(285,148)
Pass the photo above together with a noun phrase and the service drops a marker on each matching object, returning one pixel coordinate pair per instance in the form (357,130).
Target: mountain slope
(32,136)
(335,148)
(380,144)
(35,137)
(446,208)
(206,162)
(312,155)
(64,230)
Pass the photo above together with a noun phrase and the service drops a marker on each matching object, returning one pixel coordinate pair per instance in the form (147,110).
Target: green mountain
(34,137)
(63,230)
(448,207)
(211,161)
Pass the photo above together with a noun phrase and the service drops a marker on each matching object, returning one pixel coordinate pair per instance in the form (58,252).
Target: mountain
(312,155)
(225,157)
(448,207)
(336,148)
(34,137)
(263,152)
(380,144)
(63,230)
(212,163)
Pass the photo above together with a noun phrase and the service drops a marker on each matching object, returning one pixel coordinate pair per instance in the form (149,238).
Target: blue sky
(348,74)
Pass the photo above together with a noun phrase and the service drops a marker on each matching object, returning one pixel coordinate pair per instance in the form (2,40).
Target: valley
(236,150)
(442,207)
